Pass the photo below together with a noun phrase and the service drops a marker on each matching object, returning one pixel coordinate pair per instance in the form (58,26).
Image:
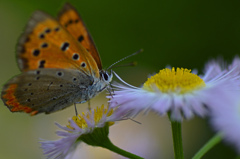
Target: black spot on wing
(36,52)
(80,38)
(75,56)
(44,45)
(65,46)
(42,63)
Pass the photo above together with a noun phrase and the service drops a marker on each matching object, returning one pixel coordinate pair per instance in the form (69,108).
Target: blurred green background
(177,33)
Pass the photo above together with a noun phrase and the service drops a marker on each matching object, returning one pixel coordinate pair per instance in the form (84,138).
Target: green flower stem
(99,137)
(210,144)
(109,145)
(177,139)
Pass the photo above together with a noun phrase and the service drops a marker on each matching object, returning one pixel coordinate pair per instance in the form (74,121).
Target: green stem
(110,146)
(177,139)
(210,144)
(99,137)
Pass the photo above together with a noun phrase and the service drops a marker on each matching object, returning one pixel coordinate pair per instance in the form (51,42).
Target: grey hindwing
(49,89)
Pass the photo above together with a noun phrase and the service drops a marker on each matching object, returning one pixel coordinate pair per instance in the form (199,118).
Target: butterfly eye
(105,76)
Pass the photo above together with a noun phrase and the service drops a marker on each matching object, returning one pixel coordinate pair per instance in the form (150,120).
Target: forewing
(72,21)
(46,44)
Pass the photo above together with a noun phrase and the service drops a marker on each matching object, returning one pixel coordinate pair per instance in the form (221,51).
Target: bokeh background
(178,33)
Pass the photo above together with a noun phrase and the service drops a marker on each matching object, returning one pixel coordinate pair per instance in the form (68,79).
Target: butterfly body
(60,65)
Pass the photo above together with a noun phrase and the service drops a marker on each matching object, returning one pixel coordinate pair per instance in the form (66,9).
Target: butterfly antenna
(135,53)
(134,63)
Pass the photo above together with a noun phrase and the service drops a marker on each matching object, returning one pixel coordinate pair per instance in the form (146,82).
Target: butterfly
(59,62)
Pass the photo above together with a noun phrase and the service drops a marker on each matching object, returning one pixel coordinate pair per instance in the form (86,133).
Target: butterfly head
(106,76)
(100,85)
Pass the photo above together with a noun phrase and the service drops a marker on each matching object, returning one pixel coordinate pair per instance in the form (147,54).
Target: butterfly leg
(110,90)
(75,109)
(89,105)
(111,87)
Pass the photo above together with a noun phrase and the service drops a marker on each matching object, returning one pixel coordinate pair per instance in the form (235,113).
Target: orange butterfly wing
(47,44)
(72,21)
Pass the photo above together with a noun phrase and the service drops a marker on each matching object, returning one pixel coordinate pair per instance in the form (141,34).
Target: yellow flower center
(178,81)
(97,116)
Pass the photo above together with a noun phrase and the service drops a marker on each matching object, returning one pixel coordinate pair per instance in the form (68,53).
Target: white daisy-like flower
(214,68)
(90,128)
(235,65)
(226,120)
(175,91)
(218,66)
(226,117)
